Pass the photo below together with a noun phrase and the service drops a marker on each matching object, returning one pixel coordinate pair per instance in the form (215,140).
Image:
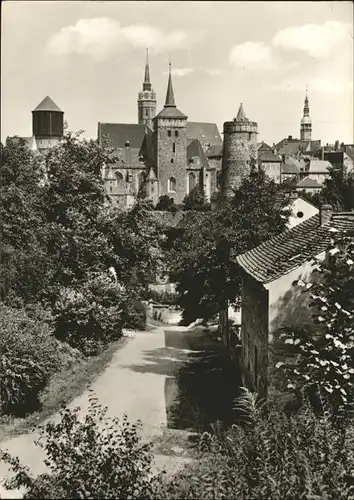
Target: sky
(89,58)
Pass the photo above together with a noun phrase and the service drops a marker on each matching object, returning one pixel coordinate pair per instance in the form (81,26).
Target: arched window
(169,133)
(174,147)
(191,181)
(171,185)
(119,178)
(176,133)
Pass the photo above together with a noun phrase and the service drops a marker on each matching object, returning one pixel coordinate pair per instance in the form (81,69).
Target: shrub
(29,356)
(96,457)
(274,456)
(134,315)
(89,316)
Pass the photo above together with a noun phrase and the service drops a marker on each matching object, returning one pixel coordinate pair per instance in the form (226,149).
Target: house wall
(272,169)
(254,335)
(301,211)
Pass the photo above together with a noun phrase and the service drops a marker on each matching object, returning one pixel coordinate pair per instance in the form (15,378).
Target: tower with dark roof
(170,139)
(306,122)
(47,124)
(239,153)
(146,98)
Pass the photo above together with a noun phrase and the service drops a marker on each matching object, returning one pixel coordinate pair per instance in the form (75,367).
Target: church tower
(239,153)
(146,99)
(170,134)
(306,123)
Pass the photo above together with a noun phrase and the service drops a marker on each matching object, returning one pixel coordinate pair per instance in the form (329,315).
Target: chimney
(322,153)
(336,146)
(290,137)
(326,212)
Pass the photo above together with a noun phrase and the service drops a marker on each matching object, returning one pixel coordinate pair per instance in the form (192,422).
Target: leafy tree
(200,259)
(196,200)
(166,203)
(97,457)
(325,361)
(338,189)
(29,356)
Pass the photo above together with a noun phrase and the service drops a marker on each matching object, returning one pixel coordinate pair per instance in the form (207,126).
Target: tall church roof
(170,110)
(206,133)
(118,134)
(47,105)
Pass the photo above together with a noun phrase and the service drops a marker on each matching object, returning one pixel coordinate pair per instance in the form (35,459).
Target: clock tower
(146,99)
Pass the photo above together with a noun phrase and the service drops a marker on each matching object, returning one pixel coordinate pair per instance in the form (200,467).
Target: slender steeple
(146,98)
(170,98)
(147,83)
(306,123)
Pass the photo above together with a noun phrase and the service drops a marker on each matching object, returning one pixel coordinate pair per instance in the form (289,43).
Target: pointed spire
(241,115)
(306,106)
(170,98)
(147,83)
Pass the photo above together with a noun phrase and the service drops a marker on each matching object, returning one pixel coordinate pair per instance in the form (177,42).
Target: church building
(162,154)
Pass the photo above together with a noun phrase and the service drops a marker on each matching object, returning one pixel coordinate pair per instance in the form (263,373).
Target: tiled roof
(213,151)
(306,182)
(292,166)
(318,166)
(118,133)
(170,112)
(263,146)
(288,250)
(268,156)
(194,149)
(204,132)
(47,105)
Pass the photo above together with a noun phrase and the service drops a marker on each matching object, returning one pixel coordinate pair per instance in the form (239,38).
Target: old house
(270,298)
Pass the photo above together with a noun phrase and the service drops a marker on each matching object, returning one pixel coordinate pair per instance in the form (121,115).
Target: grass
(62,389)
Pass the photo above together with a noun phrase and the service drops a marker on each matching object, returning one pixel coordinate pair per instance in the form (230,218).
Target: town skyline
(89,58)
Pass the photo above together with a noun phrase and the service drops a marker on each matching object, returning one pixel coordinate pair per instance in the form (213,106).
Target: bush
(134,315)
(29,356)
(274,456)
(96,457)
(89,316)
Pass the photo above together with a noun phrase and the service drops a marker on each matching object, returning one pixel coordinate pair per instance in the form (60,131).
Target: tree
(166,203)
(195,200)
(338,189)
(206,275)
(325,359)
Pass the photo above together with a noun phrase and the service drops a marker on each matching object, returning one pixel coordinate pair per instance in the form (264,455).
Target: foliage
(338,189)
(166,203)
(200,251)
(276,457)
(93,457)
(195,200)
(89,315)
(325,361)
(134,315)
(29,356)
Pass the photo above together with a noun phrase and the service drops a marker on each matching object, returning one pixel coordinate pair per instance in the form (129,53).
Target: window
(176,133)
(191,181)
(147,113)
(174,147)
(171,160)
(300,214)
(141,180)
(169,133)
(119,178)
(171,185)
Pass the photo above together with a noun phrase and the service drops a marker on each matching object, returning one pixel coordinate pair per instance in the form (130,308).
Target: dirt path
(134,383)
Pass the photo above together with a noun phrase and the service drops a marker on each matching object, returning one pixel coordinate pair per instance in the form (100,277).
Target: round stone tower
(239,153)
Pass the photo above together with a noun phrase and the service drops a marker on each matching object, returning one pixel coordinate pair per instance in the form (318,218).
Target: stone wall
(240,149)
(254,335)
(171,158)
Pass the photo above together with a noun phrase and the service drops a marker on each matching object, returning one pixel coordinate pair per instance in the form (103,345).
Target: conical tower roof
(170,98)
(241,115)
(48,105)
(147,82)
(170,109)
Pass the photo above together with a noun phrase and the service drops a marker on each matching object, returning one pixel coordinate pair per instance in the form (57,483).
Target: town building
(271,299)
(163,154)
